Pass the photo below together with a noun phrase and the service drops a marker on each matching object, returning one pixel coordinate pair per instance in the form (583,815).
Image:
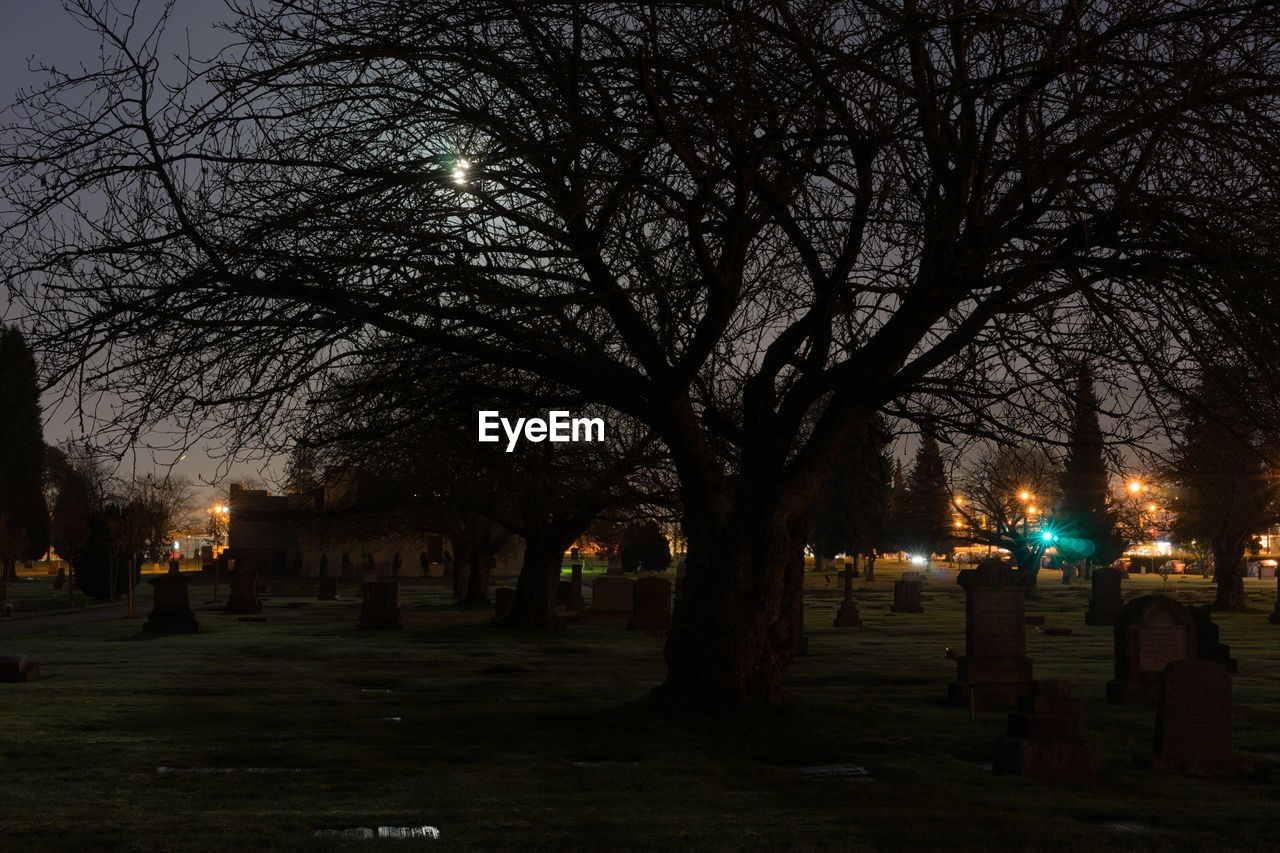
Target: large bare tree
(747,225)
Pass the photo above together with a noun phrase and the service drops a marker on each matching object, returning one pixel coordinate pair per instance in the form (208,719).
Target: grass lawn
(255,735)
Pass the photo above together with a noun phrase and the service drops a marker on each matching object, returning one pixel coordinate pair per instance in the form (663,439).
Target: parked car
(1174,567)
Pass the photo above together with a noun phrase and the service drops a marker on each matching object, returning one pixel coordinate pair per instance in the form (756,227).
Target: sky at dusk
(42,32)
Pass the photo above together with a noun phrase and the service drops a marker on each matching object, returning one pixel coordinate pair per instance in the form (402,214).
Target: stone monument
(994,670)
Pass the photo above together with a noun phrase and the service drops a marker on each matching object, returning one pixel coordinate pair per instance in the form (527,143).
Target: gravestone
(906,594)
(1193,721)
(576,604)
(573,555)
(381,607)
(612,596)
(61,579)
(848,617)
(17,668)
(244,592)
(615,565)
(1105,602)
(328,589)
(994,670)
(1046,735)
(171,604)
(504,598)
(651,609)
(1151,632)
(1208,647)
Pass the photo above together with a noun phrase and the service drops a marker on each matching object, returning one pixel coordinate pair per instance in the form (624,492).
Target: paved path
(11,627)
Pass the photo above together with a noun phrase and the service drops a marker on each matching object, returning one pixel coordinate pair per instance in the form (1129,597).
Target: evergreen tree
(927,524)
(24,516)
(851,510)
(1085,522)
(1229,491)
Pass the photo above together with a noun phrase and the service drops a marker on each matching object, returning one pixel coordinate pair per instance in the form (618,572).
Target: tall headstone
(381,607)
(994,670)
(1151,632)
(1046,735)
(243,598)
(848,617)
(906,594)
(615,565)
(651,607)
(171,604)
(1105,602)
(1193,721)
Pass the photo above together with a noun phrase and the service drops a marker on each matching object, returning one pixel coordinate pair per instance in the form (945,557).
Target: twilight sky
(34,32)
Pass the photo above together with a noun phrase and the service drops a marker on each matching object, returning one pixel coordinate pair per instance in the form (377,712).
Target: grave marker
(244,592)
(906,594)
(381,607)
(1046,735)
(848,617)
(612,596)
(1193,721)
(994,669)
(651,608)
(1105,602)
(1151,632)
(171,604)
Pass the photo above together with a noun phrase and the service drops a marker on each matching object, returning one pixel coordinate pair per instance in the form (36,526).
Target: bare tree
(748,227)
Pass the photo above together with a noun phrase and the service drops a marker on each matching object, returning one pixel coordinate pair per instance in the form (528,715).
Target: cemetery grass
(256,735)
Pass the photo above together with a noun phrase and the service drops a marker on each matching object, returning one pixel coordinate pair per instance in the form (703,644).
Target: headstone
(1151,632)
(61,579)
(1105,602)
(615,565)
(651,610)
(1207,645)
(612,596)
(1193,721)
(1046,735)
(906,594)
(848,616)
(17,668)
(504,599)
(328,589)
(381,607)
(574,555)
(244,592)
(576,604)
(994,670)
(171,605)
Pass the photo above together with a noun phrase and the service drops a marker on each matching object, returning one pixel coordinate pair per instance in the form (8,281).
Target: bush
(644,546)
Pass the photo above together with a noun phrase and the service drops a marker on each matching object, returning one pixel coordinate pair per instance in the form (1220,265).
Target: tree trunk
(481,569)
(535,602)
(463,557)
(1229,569)
(819,562)
(871,568)
(738,618)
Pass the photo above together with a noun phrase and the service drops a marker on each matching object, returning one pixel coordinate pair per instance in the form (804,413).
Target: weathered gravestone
(244,592)
(1208,646)
(612,596)
(381,607)
(994,670)
(1193,721)
(1105,602)
(848,617)
(906,594)
(171,604)
(504,598)
(1046,735)
(17,668)
(615,565)
(1151,632)
(651,609)
(328,589)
